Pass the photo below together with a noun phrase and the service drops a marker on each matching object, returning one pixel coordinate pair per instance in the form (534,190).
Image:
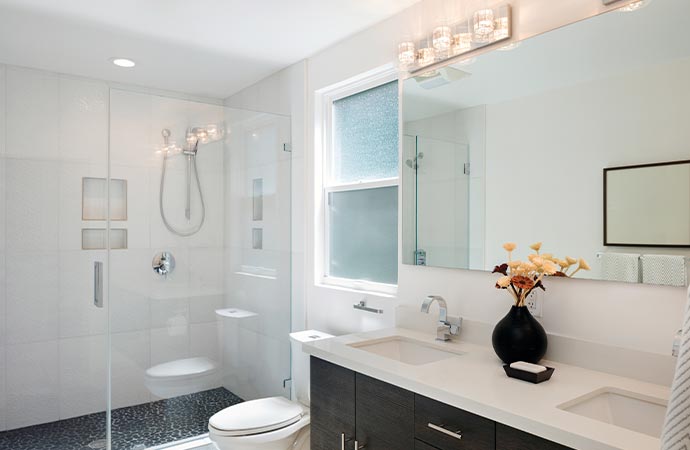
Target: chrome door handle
(447,432)
(98,284)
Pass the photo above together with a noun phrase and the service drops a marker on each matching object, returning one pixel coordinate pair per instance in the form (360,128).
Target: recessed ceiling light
(123,62)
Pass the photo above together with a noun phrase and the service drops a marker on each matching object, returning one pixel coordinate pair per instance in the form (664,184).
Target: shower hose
(195,229)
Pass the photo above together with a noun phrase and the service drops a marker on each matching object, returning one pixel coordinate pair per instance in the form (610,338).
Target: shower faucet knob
(163,264)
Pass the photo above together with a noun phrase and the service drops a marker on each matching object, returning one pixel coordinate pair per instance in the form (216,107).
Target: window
(361,189)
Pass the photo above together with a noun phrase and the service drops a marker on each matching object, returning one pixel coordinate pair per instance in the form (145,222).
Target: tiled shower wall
(53,341)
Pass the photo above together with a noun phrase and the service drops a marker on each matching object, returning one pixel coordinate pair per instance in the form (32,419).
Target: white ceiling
(204,47)
(608,45)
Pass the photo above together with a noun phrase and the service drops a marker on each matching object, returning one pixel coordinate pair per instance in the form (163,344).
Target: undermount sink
(405,350)
(625,409)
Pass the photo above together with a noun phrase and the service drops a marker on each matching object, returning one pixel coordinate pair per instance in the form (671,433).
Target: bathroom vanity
(400,389)
(347,406)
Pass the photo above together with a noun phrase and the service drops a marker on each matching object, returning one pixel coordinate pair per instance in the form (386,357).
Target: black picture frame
(636,166)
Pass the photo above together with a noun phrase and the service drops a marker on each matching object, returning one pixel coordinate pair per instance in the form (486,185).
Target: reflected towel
(620,267)
(668,270)
(676,434)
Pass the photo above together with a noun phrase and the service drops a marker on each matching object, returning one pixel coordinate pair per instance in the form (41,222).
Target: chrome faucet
(447,326)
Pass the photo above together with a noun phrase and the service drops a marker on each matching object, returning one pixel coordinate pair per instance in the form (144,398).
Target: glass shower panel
(256,351)
(442,178)
(53,339)
(200,314)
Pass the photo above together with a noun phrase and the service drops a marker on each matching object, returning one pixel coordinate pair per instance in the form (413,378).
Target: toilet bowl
(274,423)
(182,376)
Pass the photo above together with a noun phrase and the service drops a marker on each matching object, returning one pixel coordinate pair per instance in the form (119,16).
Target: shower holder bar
(362,306)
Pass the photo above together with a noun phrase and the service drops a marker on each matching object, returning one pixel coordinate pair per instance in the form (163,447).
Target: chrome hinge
(287,383)
(466,168)
(287,147)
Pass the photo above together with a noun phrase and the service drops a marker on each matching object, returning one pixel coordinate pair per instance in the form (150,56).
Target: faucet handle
(455,324)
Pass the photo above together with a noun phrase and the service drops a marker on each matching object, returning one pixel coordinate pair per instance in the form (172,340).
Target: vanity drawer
(332,404)
(508,438)
(475,432)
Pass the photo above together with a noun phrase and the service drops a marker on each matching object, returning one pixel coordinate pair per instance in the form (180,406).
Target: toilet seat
(255,417)
(182,376)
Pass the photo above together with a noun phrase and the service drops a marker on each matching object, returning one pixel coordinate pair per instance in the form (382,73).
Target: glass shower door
(200,287)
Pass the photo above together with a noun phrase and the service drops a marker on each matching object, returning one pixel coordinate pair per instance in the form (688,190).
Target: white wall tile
(32,384)
(77,314)
(130,125)
(3,107)
(205,340)
(130,359)
(83,375)
(169,344)
(202,307)
(169,312)
(130,284)
(32,205)
(83,119)
(32,114)
(32,297)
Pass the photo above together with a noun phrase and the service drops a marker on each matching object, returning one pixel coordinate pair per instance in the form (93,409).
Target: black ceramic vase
(519,337)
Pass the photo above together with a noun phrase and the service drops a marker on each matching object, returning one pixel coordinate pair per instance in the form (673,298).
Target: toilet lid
(182,368)
(256,416)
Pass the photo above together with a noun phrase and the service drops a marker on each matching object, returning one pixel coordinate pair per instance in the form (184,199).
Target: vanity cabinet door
(385,415)
(508,438)
(332,405)
(449,428)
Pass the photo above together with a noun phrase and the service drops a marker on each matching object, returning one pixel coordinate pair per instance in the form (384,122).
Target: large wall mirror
(515,145)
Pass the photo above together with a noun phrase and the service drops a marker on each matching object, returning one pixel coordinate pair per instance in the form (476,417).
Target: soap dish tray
(531,377)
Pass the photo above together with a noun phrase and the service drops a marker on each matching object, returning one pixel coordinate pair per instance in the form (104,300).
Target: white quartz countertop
(476,382)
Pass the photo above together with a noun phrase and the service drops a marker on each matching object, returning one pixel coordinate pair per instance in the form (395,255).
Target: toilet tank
(300,363)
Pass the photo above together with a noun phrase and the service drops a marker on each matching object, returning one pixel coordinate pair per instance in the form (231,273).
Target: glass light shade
(406,53)
(425,56)
(462,42)
(483,25)
(442,38)
(501,28)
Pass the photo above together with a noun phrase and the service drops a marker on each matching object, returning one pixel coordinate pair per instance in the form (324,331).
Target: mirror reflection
(512,146)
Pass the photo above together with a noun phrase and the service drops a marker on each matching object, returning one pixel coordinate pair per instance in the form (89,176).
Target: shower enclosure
(133,308)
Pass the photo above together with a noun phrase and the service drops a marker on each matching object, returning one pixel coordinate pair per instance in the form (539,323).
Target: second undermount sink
(625,409)
(406,350)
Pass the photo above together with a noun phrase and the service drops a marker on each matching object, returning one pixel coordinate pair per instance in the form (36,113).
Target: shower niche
(94,208)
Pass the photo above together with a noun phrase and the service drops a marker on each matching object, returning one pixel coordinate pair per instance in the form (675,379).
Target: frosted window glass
(365,135)
(364,234)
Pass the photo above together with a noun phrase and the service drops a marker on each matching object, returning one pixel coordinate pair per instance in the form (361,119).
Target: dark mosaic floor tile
(133,428)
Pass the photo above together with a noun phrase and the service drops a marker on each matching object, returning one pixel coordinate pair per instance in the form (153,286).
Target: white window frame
(325,185)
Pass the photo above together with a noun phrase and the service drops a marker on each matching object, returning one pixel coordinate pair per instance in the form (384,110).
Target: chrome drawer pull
(440,429)
(357,446)
(343,440)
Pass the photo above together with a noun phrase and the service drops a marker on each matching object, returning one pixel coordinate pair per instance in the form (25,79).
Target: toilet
(274,423)
(182,376)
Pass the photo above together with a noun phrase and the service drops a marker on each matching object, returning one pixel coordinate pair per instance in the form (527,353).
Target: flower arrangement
(520,278)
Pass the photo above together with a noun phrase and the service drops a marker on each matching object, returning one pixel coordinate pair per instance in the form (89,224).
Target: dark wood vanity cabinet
(351,411)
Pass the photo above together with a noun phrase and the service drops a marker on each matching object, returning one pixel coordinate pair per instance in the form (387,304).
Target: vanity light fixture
(484,27)
(123,62)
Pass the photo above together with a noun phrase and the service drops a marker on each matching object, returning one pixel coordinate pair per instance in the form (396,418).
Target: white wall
(631,316)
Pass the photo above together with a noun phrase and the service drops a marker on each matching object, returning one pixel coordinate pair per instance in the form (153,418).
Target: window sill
(359,287)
